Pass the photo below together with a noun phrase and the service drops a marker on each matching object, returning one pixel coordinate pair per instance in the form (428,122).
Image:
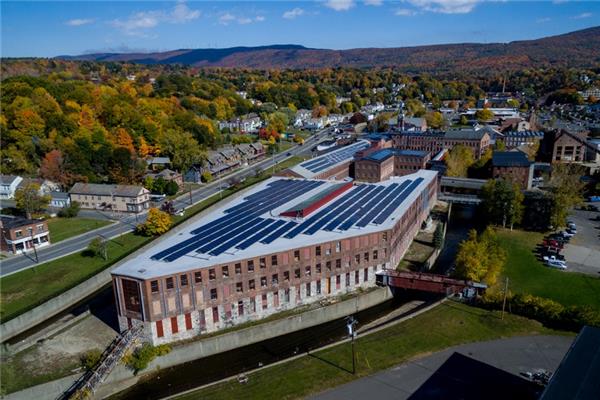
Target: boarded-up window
(275,299)
(199,297)
(306,253)
(226,290)
(159,329)
(174,327)
(171,303)
(185,300)
(156,309)
(188,321)
(346,244)
(215,312)
(202,319)
(286,258)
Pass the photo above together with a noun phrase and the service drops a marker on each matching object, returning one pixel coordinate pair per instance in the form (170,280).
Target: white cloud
(136,23)
(228,18)
(405,12)
(375,3)
(182,13)
(340,5)
(79,21)
(293,13)
(446,6)
(582,15)
(543,20)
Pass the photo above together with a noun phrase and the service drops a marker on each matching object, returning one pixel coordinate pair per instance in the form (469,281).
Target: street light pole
(350,322)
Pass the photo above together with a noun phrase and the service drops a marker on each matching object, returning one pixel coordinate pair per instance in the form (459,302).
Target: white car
(554,259)
(567,234)
(556,264)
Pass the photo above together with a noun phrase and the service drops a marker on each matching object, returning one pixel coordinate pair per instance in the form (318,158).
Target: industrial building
(281,244)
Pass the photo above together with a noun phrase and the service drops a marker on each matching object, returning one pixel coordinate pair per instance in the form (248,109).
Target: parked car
(566,234)
(572,230)
(592,208)
(556,258)
(556,264)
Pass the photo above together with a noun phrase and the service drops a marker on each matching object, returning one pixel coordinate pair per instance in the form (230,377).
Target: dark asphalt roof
(510,159)
(10,222)
(464,378)
(578,375)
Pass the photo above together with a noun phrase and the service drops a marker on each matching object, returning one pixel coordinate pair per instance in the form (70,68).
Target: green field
(528,275)
(446,325)
(25,290)
(64,228)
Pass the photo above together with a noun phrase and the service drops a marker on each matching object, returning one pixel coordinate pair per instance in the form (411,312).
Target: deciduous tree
(29,200)
(480,257)
(459,159)
(502,202)
(157,223)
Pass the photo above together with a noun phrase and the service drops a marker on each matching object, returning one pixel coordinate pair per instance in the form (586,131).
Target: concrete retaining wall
(72,296)
(122,377)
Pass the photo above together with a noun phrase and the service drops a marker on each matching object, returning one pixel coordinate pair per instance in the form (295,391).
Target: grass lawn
(528,275)
(25,290)
(64,228)
(446,325)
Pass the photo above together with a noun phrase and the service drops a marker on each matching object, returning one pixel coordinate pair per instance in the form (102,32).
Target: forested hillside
(575,49)
(71,121)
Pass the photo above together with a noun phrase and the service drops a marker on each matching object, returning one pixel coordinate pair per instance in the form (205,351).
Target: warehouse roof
(510,159)
(251,225)
(318,165)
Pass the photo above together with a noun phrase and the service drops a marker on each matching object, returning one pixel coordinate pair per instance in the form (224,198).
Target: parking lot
(582,253)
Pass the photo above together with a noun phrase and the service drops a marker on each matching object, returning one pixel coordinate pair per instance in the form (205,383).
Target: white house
(59,199)
(8,186)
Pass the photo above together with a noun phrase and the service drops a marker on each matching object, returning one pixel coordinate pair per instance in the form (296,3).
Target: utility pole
(34,248)
(350,323)
(191,201)
(505,294)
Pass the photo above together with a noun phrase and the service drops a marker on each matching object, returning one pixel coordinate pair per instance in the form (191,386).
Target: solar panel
(327,160)
(352,208)
(375,211)
(397,201)
(367,207)
(252,224)
(269,239)
(319,224)
(304,225)
(239,235)
(260,234)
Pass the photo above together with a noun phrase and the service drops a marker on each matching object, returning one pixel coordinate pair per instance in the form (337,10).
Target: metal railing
(87,384)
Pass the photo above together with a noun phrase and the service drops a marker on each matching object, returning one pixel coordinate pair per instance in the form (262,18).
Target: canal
(463,218)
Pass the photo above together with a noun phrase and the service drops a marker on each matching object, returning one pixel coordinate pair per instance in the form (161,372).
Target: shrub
(547,311)
(142,356)
(71,211)
(206,176)
(91,358)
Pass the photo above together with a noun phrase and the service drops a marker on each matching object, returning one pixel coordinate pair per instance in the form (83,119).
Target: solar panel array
(242,225)
(330,159)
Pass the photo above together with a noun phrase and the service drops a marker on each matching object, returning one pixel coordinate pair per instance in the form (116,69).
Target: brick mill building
(282,244)
(433,142)
(382,164)
(513,166)
(336,164)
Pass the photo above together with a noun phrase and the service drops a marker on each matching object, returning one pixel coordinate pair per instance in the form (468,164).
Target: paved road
(514,355)
(127,223)
(582,253)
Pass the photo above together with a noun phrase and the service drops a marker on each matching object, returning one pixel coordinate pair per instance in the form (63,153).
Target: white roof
(331,159)
(144,264)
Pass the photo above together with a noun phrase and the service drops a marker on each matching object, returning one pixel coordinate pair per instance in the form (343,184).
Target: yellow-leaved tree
(157,223)
(480,257)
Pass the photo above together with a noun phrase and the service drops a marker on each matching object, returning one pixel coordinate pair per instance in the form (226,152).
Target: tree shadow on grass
(331,363)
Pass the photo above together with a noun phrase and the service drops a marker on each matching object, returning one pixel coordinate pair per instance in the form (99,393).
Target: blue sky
(50,28)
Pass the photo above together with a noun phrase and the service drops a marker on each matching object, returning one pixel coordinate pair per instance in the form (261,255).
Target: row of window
(29,230)
(183,278)
(264,302)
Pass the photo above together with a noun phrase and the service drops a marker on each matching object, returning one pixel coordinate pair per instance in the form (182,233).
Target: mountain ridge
(573,49)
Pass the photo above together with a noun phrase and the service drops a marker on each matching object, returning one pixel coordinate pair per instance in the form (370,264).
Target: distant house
(59,199)
(158,163)
(250,151)
(244,124)
(413,124)
(168,175)
(8,186)
(512,166)
(569,147)
(194,174)
(46,186)
(122,198)
(22,234)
